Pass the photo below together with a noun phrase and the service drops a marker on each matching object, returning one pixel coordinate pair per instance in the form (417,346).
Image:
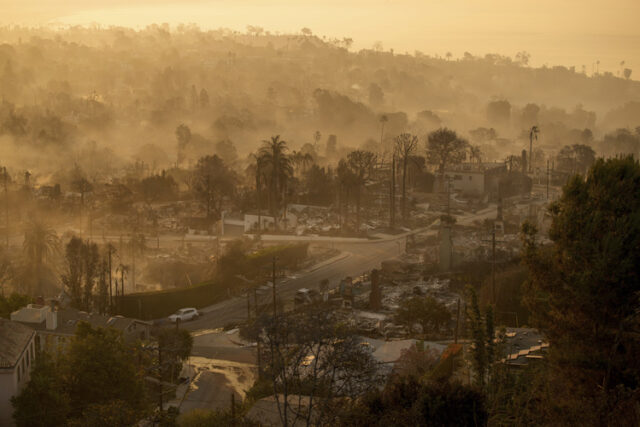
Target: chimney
(52,317)
(375,296)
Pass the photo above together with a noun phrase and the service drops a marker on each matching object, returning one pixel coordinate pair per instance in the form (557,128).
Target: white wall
(7,389)
(466,182)
(10,385)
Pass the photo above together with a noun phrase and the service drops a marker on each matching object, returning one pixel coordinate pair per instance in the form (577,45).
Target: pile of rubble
(394,294)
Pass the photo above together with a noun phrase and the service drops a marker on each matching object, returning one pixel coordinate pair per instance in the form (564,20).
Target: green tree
(114,413)
(82,271)
(318,184)
(212,181)
(445,147)
(584,293)
(11,303)
(99,367)
(96,380)
(158,187)
(577,158)
(413,402)
(175,346)
(43,402)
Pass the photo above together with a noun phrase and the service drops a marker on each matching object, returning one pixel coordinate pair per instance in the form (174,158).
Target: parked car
(184,314)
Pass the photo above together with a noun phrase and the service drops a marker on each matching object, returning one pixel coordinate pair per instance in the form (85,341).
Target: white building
(472,179)
(17,355)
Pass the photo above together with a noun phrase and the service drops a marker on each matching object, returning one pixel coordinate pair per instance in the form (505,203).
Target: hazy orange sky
(564,32)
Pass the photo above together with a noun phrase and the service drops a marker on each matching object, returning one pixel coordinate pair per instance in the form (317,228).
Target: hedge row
(288,257)
(155,305)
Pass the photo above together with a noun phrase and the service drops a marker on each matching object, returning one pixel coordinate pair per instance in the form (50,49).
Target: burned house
(473,179)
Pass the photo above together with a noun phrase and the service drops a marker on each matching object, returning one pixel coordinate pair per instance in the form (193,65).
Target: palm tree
(533,133)
(277,166)
(40,244)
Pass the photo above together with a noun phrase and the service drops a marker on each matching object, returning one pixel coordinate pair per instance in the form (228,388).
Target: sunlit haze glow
(568,32)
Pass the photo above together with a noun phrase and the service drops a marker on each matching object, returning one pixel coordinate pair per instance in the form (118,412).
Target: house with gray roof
(17,354)
(55,327)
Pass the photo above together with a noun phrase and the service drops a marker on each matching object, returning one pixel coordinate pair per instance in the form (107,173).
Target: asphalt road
(356,259)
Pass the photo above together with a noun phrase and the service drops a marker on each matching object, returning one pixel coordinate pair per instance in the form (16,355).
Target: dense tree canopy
(584,290)
(96,376)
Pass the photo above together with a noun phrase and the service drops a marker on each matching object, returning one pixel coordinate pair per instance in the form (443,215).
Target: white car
(184,314)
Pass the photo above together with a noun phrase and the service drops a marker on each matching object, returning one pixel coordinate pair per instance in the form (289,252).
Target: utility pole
(233,409)
(255,302)
(547,179)
(493,264)
(449,197)
(110,282)
(392,191)
(160,377)
(134,243)
(248,304)
(274,287)
(455,341)
(116,300)
(259,357)
(6,204)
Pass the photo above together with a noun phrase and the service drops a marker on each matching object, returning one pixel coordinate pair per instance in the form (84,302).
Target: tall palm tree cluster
(276,172)
(274,168)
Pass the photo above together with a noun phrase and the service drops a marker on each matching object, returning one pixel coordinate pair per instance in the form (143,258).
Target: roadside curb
(339,257)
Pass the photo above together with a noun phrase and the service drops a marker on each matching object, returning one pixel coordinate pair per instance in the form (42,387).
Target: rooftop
(524,344)
(68,320)
(14,337)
